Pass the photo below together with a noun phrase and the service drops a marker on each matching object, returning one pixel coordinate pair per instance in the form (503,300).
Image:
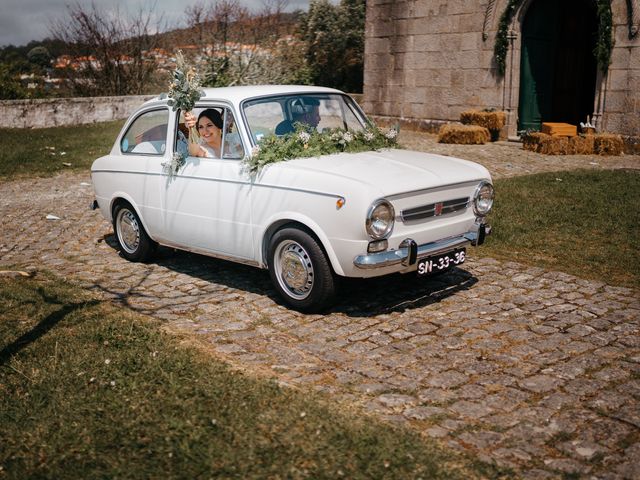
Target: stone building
(426,61)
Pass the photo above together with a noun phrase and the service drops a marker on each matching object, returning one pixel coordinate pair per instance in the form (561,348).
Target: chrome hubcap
(294,269)
(128,230)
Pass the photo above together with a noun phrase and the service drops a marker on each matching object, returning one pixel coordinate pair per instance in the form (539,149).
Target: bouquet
(185,89)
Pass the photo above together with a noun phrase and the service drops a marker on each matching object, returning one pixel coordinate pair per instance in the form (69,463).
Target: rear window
(147,134)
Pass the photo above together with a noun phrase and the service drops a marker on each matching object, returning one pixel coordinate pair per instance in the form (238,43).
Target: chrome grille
(434,209)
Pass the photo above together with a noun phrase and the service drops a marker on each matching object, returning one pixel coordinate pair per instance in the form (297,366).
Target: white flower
(107,361)
(304,137)
(391,134)
(347,137)
(369,136)
(177,162)
(255,150)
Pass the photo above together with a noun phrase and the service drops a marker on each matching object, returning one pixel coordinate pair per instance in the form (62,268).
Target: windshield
(280,115)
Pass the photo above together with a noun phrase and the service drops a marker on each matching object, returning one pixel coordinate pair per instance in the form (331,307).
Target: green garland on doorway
(501,46)
(604,43)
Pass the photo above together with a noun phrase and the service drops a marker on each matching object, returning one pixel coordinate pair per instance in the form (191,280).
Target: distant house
(426,61)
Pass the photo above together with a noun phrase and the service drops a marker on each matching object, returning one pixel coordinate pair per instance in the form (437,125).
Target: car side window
(232,148)
(147,134)
(263,117)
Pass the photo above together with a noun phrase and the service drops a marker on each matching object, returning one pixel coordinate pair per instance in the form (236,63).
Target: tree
(334,38)
(10,87)
(39,56)
(245,48)
(111,50)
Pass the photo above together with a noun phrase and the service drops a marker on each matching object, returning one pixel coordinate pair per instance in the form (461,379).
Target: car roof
(237,94)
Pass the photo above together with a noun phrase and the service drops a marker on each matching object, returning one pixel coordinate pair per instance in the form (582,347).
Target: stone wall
(67,111)
(426,61)
(622,101)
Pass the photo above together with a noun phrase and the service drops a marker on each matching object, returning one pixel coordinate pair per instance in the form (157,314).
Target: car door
(143,149)
(206,205)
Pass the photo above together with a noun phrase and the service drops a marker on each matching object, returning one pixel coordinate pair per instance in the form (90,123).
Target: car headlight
(380,219)
(483,199)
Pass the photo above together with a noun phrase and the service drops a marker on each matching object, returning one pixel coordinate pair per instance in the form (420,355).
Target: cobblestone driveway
(535,370)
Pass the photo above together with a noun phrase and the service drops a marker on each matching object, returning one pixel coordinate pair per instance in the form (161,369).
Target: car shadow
(355,298)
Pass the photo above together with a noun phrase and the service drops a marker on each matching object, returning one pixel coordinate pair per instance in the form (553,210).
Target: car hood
(390,171)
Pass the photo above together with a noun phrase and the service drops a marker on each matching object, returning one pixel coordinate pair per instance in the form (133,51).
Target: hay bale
(631,145)
(580,145)
(608,144)
(492,121)
(463,134)
(546,144)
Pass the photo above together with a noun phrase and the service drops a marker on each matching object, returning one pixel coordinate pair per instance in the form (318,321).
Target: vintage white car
(307,220)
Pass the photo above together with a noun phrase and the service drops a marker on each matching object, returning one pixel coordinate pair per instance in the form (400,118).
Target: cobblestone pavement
(531,369)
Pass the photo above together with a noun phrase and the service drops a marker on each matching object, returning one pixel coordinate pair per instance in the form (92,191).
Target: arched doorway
(557,66)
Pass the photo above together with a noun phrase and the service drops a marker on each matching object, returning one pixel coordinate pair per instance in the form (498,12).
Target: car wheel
(300,270)
(135,244)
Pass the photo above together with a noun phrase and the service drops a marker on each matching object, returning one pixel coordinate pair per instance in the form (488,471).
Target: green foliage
(39,56)
(604,44)
(186,87)
(10,86)
(302,144)
(92,390)
(334,38)
(217,72)
(501,46)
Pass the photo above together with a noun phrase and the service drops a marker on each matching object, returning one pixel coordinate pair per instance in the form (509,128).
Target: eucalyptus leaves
(177,162)
(305,143)
(185,89)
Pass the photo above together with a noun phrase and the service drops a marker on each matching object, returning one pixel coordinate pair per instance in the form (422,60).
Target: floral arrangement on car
(305,143)
(185,89)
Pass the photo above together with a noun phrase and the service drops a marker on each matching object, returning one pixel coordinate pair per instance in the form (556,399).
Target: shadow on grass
(44,326)
(356,297)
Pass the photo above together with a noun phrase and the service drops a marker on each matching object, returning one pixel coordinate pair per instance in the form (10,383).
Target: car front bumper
(409,251)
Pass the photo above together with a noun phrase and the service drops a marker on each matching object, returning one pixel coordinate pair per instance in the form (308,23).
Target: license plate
(438,263)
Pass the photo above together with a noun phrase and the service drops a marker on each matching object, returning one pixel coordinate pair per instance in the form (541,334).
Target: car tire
(135,245)
(300,270)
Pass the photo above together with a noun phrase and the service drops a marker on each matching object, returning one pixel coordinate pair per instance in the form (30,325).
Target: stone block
(428,42)
(634,53)
(471,41)
(470,23)
(621,80)
(469,59)
(376,45)
(621,36)
(415,95)
(435,59)
(461,7)
(620,58)
(432,77)
(457,78)
(624,123)
(451,42)
(402,10)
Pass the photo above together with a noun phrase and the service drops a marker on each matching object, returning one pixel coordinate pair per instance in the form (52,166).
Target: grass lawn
(44,151)
(584,222)
(89,390)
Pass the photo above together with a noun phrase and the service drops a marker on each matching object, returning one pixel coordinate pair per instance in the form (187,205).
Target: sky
(24,20)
